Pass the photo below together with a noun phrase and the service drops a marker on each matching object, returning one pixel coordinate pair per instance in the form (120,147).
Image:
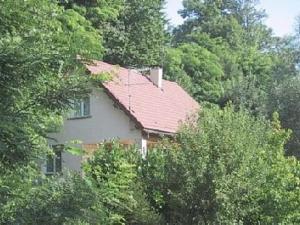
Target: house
(131,107)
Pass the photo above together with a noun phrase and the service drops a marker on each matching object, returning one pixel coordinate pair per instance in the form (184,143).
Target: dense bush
(285,99)
(54,200)
(113,172)
(229,169)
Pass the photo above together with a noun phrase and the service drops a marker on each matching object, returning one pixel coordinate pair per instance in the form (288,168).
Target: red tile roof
(152,108)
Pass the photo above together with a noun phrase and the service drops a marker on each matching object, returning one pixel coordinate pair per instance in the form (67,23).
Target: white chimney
(156,76)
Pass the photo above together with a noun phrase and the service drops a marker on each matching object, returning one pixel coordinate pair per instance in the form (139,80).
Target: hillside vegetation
(237,165)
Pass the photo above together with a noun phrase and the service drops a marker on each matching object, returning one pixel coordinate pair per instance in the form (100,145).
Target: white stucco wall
(106,122)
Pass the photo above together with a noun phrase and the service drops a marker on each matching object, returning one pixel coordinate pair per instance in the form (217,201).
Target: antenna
(128,86)
(142,70)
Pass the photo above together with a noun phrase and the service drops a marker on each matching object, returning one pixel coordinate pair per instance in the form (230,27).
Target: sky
(281,14)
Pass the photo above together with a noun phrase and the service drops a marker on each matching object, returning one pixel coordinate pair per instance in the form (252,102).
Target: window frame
(56,159)
(83,113)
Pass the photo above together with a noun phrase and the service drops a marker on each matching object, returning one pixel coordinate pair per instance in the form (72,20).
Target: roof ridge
(151,107)
(135,70)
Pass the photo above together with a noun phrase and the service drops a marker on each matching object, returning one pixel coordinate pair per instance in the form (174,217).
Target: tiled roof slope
(153,108)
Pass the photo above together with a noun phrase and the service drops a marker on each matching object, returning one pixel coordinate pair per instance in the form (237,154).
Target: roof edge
(160,132)
(123,108)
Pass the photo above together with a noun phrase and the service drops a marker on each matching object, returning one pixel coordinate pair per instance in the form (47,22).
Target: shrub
(57,200)
(228,169)
(113,173)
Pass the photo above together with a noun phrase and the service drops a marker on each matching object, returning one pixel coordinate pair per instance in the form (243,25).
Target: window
(54,162)
(81,108)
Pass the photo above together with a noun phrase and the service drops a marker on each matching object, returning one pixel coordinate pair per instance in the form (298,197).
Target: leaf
(75,150)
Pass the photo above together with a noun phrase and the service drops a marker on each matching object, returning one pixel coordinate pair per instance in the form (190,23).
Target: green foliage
(112,171)
(229,169)
(14,185)
(203,69)
(173,69)
(232,20)
(38,77)
(137,37)
(133,30)
(238,48)
(245,93)
(98,12)
(38,72)
(284,98)
(101,77)
(85,39)
(56,201)
(286,58)
(109,193)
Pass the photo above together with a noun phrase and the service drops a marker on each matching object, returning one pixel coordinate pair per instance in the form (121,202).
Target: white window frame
(82,114)
(144,149)
(54,161)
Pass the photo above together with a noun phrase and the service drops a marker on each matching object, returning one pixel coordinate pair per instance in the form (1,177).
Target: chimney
(156,75)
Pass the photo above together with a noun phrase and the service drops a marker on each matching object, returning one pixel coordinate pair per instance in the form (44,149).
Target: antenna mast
(129,94)
(141,70)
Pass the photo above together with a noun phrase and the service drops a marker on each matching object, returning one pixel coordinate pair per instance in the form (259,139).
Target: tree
(223,19)
(229,168)
(232,31)
(133,30)
(52,201)
(38,72)
(197,69)
(98,12)
(137,38)
(39,75)
(285,56)
(284,98)
(113,173)
(283,94)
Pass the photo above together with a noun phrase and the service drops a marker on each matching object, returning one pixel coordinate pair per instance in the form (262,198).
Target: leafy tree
(99,12)
(232,31)
(203,69)
(283,91)
(285,57)
(230,168)
(137,38)
(133,30)
(232,20)
(112,171)
(173,68)
(38,75)
(53,201)
(284,98)
(245,93)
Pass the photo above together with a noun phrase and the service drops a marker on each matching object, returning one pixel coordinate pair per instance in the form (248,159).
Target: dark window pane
(50,164)
(58,162)
(86,107)
(81,108)
(77,108)
(54,162)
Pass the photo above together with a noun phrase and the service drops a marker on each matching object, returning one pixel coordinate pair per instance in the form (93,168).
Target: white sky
(281,14)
